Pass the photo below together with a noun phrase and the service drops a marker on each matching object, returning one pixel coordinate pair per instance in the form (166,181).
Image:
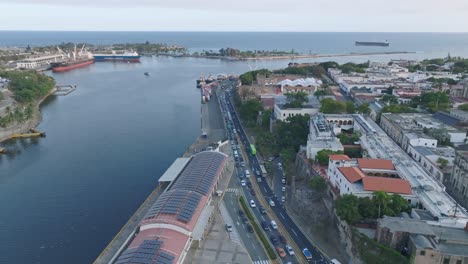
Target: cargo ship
(74,60)
(369,43)
(71,64)
(114,56)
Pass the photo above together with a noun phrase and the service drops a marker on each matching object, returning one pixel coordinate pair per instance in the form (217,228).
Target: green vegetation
(322,156)
(352,209)
(28,86)
(372,252)
(331,106)
(353,67)
(440,81)
(318,184)
(18,115)
(353,152)
(349,139)
(442,162)
(249,77)
(463,107)
(152,48)
(389,99)
(263,239)
(329,64)
(296,99)
(434,101)
(313,70)
(249,110)
(441,134)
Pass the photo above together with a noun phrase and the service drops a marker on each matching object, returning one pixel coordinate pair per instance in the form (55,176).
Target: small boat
(147,73)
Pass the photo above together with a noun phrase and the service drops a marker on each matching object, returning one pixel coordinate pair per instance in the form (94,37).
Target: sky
(236,15)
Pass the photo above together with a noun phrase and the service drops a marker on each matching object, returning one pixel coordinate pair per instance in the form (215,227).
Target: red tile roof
(352,174)
(339,157)
(377,164)
(390,185)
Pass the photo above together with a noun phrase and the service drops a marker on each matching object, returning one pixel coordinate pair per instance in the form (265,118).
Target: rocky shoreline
(23,127)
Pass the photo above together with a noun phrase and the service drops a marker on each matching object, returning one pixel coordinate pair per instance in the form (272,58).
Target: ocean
(64,197)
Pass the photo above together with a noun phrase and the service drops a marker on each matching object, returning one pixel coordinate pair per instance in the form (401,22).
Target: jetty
(64,89)
(32,133)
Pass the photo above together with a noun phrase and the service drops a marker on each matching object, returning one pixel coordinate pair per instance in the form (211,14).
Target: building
(428,158)
(321,136)
(38,62)
(363,177)
(308,85)
(408,128)
(282,112)
(460,114)
(457,182)
(180,215)
(428,244)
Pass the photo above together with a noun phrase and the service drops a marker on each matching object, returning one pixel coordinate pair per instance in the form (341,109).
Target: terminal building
(181,213)
(38,62)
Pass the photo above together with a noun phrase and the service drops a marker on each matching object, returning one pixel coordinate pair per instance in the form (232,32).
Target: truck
(264,172)
(307,253)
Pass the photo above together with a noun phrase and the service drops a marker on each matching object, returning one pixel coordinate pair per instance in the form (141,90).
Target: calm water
(63,197)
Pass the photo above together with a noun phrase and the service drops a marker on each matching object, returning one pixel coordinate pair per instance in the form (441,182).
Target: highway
(294,232)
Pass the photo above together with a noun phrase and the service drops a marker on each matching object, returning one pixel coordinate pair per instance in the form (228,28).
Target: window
(447,260)
(422,253)
(459,261)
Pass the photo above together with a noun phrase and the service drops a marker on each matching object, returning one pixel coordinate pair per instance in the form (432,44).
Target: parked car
(228,228)
(290,250)
(274,240)
(281,252)
(283,181)
(252,204)
(283,189)
(283,199)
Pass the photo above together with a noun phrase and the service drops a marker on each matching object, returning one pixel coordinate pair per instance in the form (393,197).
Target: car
(283,181)
(283,189)
(242,164)
(241,213)
(241,175)
(282,239)
(257,172)
(245,220)
(265,226)
(249,184)
(250,228)
(273,225)
(271,158)
(228,228)
(281,252)
(274,240)
(237,164)
(252,192)
(259,179)
(271,202)
(252,204)
(262,209)
(307,253)
(290,250)
(243,183)
(280,164)
(283,199)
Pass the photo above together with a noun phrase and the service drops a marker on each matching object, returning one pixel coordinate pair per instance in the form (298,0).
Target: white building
(282,112)
(321,137)
(460,114)
(428,157)
(363,177)
(37,62)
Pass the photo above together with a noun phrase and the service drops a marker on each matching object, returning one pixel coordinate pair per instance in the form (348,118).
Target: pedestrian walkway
(234,235)
(233,190)
(262,262)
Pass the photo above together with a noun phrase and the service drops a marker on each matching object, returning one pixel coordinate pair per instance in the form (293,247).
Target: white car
(243,183)
(252,204)
(271,202)
(289,250)
(283,199)
(283,189)
(283,181)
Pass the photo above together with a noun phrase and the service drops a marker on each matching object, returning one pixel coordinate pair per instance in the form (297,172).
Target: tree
(330,106)
(390,99)
(296,99)
(398,204)
(322,156)
(320,93)
(442,162)
(463,107)
(350,107)
(347,208)
(382,200)
(363,109)
(318,183)
(249,110)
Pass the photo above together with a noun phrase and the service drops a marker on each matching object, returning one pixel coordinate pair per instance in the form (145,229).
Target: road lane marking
(294,232)
(253,245)
(282,216)
(262,217)
(264,189)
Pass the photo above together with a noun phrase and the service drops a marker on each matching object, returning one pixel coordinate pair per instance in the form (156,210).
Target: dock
(32,133)
(64,89)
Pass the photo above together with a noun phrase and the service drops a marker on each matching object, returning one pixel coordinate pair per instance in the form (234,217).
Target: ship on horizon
(371,43)
(126,56)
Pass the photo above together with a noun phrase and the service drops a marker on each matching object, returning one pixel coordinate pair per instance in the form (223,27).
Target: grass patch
(263,239)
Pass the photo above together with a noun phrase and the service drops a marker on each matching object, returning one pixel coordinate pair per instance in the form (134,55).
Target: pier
(64,89)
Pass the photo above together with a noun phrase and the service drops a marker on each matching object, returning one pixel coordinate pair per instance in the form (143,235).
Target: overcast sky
(236,15)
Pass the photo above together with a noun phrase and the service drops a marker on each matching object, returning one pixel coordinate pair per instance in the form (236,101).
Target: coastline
(33,122)
(291,57)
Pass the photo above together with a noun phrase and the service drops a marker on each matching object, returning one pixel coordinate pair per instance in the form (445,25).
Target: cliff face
(23,127)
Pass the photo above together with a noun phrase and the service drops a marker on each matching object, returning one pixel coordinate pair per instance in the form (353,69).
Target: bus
(253,150)
(263,170)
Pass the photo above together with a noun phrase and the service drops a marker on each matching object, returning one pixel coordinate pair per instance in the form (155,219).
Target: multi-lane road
(237,133)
